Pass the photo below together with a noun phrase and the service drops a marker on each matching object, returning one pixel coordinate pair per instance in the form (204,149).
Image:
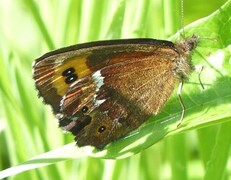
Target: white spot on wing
(59,116)
(98,102)
(98,78)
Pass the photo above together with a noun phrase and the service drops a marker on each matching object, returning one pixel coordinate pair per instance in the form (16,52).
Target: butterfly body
(103,90)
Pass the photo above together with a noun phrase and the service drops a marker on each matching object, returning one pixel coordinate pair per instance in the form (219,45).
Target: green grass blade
(216,166)
(29,128)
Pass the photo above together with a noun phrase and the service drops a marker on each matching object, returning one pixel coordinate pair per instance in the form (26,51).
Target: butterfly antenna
(182,17)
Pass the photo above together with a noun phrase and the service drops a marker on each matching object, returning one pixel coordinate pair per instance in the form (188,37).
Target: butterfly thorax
(184,66)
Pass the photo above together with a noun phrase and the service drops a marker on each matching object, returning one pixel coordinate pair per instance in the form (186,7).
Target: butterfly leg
(181,102)
(199,69)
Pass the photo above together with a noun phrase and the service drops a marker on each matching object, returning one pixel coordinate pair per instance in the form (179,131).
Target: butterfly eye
(101,129)
(70,75)
(84,109)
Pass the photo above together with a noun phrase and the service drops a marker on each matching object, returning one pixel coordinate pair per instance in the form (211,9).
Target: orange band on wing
(81,70)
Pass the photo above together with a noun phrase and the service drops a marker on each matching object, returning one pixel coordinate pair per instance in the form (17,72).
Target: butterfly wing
(101,91)
(120,96)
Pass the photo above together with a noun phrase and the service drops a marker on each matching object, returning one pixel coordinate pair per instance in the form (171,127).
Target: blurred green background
(28,128)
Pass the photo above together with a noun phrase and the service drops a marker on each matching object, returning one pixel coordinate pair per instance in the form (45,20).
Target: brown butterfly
(100,91)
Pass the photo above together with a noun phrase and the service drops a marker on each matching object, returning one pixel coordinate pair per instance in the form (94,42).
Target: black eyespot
(68,71)
(84,109)
(70,79)
(79,125)
(88,118)
(70,75)
(101,129)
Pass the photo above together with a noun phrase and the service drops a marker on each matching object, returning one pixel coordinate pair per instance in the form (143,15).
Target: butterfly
(101,91)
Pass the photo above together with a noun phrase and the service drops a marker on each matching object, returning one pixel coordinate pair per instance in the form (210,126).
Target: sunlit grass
(28,128)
